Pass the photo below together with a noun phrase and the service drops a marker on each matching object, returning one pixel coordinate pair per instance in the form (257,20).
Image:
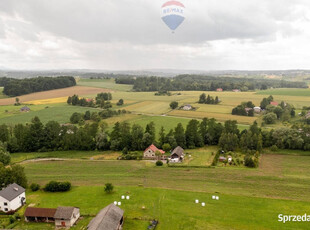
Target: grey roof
(65,213)
(178,150)
(107,219)
(11,191)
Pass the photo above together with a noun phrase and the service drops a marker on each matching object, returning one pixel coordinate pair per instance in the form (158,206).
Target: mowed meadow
(249,198)
(52,104)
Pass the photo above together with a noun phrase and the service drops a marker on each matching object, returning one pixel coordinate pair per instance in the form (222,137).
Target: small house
(187,107)
(66,216)
(177,154)
(222,159)
(39,214)
(257,109)
(236,90)
(12,198)
(25,109)
(219,90)
(150,152)
(274,103)
(109,218)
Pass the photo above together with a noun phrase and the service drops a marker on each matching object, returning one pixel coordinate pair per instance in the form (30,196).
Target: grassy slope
(57,112)
(249,199)
(286,92)
(171,208)
(104,83)
(273,179)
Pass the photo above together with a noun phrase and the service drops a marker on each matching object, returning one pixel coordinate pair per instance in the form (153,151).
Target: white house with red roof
(274,103)
(150,152)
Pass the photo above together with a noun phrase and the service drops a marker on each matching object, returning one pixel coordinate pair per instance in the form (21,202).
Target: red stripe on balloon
(174,3)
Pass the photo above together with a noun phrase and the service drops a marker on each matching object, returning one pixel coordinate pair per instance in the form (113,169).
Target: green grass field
(52,112)
(174,209)
(104,83)
(249,198)
(286,92)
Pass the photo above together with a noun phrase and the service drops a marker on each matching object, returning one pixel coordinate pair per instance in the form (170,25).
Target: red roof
(274,103)
(154,149)
(40,212)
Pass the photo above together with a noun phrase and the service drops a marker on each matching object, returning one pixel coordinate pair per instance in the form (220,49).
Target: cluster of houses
(13,197)
(153,153)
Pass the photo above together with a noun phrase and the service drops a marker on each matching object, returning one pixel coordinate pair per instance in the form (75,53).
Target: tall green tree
(179,135)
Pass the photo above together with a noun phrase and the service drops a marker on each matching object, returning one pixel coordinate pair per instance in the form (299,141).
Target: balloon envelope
(173,14)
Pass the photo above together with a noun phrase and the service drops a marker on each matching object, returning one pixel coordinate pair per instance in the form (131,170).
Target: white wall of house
(149,154)
(13,204)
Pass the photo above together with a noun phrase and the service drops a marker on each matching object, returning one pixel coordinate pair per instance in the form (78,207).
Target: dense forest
(205,83)
(16,87)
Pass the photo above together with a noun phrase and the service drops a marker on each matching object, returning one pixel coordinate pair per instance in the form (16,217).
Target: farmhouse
(222,159)
(25,109)
(177,154)
(150,152)
(274,103)
(12,198)
(109,218)
(66,216)
(187,107)
(236,90)
(40,214)
(257,109)
(219,90)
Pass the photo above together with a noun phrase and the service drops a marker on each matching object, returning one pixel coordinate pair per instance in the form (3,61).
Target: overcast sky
(130,35)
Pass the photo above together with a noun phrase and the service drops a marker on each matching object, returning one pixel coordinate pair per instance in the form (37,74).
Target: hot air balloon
(173,14)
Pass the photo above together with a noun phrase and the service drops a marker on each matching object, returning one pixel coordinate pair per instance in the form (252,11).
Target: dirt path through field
(79,90)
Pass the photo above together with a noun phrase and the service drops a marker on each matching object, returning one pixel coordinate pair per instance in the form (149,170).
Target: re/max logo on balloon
(173,10)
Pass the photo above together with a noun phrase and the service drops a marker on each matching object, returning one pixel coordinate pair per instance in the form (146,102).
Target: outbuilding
(177,154)
(66,216)
(12,198)
(33,214)
(109,218)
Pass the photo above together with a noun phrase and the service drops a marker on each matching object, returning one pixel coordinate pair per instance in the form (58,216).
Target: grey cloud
(138,21)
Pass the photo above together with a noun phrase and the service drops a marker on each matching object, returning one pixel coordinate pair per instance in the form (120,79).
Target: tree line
(203,99)
(16,87)
(102,100)
(205,83)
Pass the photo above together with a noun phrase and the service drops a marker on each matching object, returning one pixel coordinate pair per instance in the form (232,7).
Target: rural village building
(66,216)
(222,159)
(274,103)
(219,90)
(62,216)
(187,107)
(12,198)
(150,152)
(109,218)
(257,109)
(39,214)
(177,155)
(25,109)
(236,90)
